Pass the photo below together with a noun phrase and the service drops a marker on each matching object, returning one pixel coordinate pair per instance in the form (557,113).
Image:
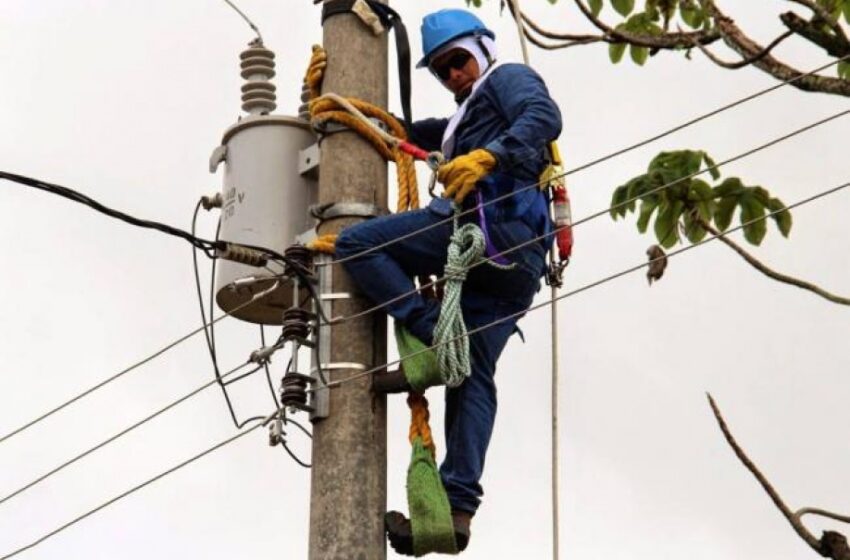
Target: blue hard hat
(441,27)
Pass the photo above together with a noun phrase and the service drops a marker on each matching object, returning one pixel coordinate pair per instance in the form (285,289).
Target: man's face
(457,69)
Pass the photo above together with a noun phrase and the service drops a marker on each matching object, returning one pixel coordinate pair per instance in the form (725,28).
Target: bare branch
(823,513)
(835,45)
(746,47)
(769,272)
(747,61)
(559,36)
(831,544)
(666,41)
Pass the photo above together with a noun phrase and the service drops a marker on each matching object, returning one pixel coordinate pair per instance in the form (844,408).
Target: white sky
(124,101)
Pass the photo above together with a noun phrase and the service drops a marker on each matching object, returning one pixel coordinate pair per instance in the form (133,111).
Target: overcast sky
(125,100)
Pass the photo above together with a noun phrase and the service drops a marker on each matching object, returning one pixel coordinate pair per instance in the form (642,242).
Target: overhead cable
(598,214)
(383,367)
(123,432)
(586,287)
(131,491)
(127,370)
(591,163)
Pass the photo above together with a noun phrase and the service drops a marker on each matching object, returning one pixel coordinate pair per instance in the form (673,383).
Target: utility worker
(494,145)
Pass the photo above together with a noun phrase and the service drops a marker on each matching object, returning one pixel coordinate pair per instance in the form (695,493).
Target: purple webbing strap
(489,249)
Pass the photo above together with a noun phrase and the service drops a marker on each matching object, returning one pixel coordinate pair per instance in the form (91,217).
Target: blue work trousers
(488,295)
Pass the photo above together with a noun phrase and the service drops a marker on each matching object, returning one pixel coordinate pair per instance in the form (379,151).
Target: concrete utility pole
(348,485)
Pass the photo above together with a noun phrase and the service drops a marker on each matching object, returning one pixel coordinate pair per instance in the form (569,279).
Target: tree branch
(746,47)
(747,61)
(665,41)
(764,269)
(835,45)
(821,14)
(831,544)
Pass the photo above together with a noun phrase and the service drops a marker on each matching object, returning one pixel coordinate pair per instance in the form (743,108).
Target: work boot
(387,382)
(461,520)
(400,534)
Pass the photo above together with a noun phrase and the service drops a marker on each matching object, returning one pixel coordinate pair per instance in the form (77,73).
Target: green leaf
(700,191)
(639,54)
(730,187)
(647,207)
(846,11)
(616,51)
(751,212)
(693,230)
(724,211)
(623,7)
(666,224)
(844,69)
(711,165)
(617,207)
(781,217)
(595,7)
(692,15)
(760,194)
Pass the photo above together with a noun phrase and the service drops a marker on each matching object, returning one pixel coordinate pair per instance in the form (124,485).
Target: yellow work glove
(460,174)
(316,70)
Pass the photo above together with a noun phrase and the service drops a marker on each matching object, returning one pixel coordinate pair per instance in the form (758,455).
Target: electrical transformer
(270,182)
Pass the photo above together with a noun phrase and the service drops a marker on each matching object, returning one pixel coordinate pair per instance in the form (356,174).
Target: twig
(747,61)
(769,272)
(831,545)
(834,45)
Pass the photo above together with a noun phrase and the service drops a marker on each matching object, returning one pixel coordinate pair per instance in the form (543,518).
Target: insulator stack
(258,94)
(240,254)
(294,390)
(298,256)
(296,324)
(304,108)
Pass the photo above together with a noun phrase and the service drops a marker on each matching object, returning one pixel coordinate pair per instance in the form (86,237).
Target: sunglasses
(457,61)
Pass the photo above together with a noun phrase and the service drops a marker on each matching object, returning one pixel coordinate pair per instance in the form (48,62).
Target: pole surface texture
(348,484)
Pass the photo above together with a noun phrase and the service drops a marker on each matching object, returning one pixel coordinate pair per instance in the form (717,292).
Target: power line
(373,370)
(598,214)
(123,432)
(131,491)
(594,162)
(127,370)
(585,287)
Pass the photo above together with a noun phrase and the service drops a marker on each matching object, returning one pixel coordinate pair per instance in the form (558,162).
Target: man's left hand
(462,173)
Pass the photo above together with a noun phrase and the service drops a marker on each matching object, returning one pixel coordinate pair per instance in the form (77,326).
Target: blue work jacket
(512,116)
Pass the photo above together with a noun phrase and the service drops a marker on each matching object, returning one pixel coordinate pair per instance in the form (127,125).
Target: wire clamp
(263,355)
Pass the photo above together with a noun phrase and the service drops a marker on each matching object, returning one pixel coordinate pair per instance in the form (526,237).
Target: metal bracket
(346,210)
(308,161)
(218,155)
(320,394)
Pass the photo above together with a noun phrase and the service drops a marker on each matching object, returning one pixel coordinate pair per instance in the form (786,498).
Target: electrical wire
(584,288)
(122,433)
(131,491)
(380,368)
(247,20)
(127,370)
(593,162)
(533,240)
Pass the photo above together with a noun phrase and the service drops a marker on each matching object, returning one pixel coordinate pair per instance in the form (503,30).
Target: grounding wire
(132,490)
(584,288)
(589,164)
(127,370)
(122,433)
(380,368)
(598,214)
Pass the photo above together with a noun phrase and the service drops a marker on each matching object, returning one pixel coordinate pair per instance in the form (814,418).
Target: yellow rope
(324,109)
(330,108)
